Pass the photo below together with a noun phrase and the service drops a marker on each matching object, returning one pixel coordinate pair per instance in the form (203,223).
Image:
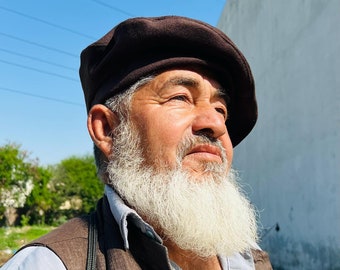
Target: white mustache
(190,142)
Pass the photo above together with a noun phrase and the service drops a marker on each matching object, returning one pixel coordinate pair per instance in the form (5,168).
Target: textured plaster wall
(291,161)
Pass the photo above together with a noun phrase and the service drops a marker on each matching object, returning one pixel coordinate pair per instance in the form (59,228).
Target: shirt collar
(121,211)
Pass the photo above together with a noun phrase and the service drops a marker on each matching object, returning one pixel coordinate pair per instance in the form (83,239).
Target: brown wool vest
(70,243)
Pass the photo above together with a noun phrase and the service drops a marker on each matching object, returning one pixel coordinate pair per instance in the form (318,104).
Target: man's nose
(208,122)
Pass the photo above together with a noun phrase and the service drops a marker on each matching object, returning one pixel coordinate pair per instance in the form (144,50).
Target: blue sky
(41,100)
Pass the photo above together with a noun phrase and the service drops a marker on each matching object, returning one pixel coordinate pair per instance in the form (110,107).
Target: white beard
(207,215)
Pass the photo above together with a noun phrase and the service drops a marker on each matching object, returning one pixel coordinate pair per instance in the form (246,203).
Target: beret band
(140,47)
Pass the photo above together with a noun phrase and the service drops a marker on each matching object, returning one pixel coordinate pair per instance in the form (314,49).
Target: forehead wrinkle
(180,80)
(185,81)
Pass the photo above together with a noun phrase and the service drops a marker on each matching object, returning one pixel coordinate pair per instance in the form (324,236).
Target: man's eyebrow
(185,81)
(222,93)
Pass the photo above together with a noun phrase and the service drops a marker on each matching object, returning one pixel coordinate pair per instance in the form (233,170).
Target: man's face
(171,163)
(176,105)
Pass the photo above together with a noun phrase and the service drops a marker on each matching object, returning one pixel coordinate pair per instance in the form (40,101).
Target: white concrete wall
(291,161)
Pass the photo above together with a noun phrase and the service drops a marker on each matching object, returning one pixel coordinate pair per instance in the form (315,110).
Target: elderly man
(168,98)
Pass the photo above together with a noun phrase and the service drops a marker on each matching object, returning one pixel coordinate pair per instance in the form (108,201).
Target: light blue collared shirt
(42,258)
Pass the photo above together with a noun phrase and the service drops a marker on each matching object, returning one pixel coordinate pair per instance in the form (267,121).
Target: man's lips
(206,151)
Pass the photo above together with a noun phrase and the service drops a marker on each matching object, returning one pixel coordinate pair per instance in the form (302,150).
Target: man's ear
(100,123)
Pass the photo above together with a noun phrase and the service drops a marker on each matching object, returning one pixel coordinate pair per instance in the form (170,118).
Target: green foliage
(13,238)
(12,165)
(24,221)
(75,185)
(39,202)
(45,195)
(17,174)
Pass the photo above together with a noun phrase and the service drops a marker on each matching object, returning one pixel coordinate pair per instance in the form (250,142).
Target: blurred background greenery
(34,199)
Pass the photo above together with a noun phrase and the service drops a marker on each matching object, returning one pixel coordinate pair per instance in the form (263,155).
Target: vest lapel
(111,242)
(149,254)
(144,252)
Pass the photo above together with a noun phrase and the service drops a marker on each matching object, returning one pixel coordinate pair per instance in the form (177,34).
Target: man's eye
(221,111)
(180,98)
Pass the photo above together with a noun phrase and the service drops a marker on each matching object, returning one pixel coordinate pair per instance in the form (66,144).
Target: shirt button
(149,234)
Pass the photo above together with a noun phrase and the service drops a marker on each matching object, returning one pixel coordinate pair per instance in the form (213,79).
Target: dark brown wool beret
(140,47)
